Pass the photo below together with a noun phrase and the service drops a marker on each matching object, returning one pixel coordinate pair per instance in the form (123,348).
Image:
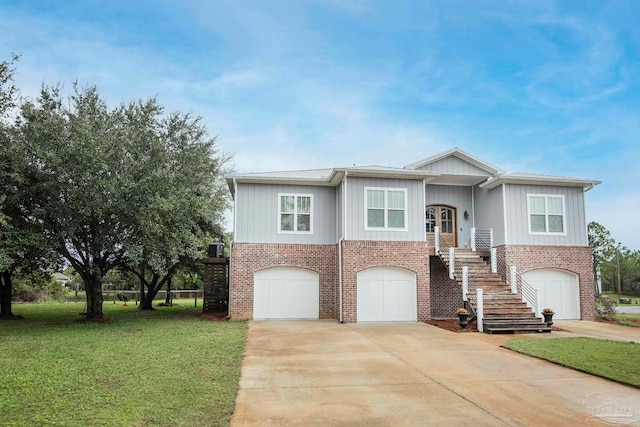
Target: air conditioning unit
(216,250)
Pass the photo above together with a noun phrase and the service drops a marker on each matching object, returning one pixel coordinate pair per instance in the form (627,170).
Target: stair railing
(481,240)
(518,285)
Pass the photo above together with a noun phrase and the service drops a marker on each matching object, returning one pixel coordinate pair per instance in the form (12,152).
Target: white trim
(546,215)
(235,210)
(344,205)
(385,209)
(504,213)
(424,211)
(473,207)
(295,213)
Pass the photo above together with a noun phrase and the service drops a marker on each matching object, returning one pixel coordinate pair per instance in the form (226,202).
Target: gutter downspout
(235,222)
(344,233)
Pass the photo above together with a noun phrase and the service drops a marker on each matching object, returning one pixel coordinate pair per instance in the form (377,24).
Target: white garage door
(286,293)
(386,294)
(558,290)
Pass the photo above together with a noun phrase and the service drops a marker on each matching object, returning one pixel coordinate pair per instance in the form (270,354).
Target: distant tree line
(619,266)
(130,188)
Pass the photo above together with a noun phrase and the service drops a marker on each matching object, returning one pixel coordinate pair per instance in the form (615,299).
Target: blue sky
(530,86)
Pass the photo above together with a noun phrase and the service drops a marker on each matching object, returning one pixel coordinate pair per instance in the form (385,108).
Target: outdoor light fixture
(466,215)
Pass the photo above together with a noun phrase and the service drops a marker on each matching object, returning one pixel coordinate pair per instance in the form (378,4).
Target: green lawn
(635,300)
(617,361)
(162,368)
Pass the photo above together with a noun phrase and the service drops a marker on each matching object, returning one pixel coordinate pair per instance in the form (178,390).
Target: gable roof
(536,179)
(326,177)
(462,155)
(331,177)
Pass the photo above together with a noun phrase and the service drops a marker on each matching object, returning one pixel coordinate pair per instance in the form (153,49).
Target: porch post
(452,261)
(494,260)
(514,283)
(473,239)
(537,308)
(436,233)
(491,237)
(465,283)
(480,308)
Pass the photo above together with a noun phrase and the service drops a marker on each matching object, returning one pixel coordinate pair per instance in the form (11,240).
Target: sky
(529,86)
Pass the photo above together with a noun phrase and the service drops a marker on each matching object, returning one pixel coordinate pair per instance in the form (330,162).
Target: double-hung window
(294,213)
(546,214)
(386,208)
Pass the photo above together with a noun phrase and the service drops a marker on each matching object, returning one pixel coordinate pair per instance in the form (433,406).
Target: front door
(445,218)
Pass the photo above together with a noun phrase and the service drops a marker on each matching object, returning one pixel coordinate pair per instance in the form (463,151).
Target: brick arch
(359,255)
(573,259)
(387,266)
(247,258)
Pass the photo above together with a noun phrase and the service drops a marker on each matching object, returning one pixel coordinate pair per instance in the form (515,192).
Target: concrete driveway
(322,373)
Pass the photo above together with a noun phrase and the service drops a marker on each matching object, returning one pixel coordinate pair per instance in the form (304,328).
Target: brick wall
(247,258)
(446,294)
(575,259)
(358,255)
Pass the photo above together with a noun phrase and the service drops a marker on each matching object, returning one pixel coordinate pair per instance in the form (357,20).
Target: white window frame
(295,213)
(546,215)
(386,209)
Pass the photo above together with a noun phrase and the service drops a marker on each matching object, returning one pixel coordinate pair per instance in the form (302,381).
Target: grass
(632,320)
(614,360)
(635,299)
(161,368)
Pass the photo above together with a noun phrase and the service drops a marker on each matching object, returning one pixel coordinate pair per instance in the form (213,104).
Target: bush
(605,308)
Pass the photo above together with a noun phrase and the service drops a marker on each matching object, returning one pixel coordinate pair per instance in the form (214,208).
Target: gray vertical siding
(458,197)
(257,214)
(489,212)
(518,221)
(356,213)
(454,165)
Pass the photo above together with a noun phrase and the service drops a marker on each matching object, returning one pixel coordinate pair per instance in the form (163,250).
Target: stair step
(517,330)
(507,316)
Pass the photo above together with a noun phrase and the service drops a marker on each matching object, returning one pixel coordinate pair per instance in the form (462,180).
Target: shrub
(605,308)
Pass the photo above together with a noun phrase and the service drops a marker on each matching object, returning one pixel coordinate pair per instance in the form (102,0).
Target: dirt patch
(12,317)
(216,317)
(634,322)
(98,320)
(452,325)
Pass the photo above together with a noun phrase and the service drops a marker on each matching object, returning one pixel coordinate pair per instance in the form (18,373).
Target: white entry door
(386,294)
(559,290)
(286,293)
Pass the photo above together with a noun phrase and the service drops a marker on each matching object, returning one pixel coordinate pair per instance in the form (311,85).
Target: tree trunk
(94,296)
(5,295)
(168,299)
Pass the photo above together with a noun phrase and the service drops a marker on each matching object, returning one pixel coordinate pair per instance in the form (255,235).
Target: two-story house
(374,243)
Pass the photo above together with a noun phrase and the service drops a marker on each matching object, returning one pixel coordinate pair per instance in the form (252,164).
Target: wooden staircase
(504,312)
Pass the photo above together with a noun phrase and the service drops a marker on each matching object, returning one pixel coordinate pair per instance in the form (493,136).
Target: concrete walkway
(322,373)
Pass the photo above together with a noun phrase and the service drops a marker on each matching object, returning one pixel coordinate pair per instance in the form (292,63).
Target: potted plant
(463,317)
(548,316)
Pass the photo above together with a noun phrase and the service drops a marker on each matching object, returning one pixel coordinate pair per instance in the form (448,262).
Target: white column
(436,233)
(479,308)
(514,283)
(452,261)
(465,283)
(491,237)
(537,308)
(494,260)
(473,239)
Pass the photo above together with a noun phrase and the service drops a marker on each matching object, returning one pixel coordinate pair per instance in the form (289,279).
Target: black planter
(463,319)
(548,318)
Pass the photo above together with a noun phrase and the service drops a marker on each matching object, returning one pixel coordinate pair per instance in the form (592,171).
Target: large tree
(21,244)
(129,186)
(180,181)
(81,168)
